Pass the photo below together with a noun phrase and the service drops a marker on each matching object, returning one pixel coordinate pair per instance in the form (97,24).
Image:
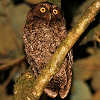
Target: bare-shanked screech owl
(44,30)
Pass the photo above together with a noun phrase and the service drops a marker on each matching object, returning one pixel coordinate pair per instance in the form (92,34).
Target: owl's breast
(42,42)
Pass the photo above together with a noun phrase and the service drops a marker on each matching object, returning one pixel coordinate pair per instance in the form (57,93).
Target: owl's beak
(49,16)
(49,19)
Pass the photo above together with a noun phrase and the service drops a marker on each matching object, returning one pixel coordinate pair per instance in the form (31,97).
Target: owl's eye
(43,10)
(55,11)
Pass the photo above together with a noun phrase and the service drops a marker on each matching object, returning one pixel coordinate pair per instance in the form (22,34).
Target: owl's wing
(61,81)
(65,90)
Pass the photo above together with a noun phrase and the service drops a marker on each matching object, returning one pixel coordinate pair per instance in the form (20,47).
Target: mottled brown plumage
(43,32)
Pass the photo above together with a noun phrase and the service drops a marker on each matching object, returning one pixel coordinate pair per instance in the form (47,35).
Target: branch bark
(53,66)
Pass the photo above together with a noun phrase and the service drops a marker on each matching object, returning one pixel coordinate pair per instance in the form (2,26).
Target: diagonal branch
(11,63)
(54,64)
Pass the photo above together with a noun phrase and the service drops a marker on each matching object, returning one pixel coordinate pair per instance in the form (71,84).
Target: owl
(44,30)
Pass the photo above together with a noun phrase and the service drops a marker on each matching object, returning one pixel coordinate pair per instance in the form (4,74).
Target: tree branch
(36,88)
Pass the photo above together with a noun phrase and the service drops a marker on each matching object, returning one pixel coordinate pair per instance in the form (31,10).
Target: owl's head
(47,11)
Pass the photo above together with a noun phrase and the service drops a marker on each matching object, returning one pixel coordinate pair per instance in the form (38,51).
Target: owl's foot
(35,72)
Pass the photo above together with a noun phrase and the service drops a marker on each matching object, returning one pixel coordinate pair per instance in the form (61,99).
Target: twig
(11,63)
(13,71)
(53,66)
